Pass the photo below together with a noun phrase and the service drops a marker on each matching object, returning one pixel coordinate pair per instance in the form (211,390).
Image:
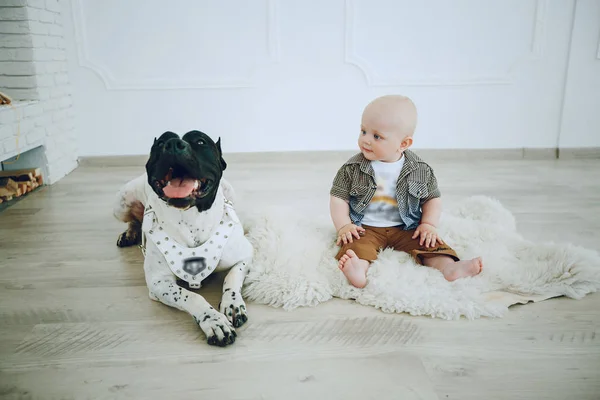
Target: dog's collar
(191,264)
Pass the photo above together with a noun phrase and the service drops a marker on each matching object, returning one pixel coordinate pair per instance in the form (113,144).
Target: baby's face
(382,134)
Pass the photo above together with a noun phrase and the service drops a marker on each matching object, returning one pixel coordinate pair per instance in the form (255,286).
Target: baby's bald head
(391,114)
(387,126)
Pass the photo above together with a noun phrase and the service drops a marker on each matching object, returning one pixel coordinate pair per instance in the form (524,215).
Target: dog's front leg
(216,327)
(163,287)
(129,207)
(232,304)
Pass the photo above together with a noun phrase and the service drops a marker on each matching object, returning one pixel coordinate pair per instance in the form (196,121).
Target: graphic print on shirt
(384,206)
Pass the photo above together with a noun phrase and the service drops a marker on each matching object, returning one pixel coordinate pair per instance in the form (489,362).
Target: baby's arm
(339,209)
(340,212)
(340,215)
(432,209)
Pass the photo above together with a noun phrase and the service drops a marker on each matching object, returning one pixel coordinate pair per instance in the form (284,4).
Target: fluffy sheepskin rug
(296,268)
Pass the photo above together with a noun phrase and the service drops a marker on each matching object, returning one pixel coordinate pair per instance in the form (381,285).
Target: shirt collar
(410,162)
(411,158)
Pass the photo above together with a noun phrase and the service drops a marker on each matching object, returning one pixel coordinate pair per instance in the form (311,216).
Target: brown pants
(374,239)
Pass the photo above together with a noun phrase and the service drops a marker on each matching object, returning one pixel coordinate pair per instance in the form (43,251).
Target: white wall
(581,118)
(276,75)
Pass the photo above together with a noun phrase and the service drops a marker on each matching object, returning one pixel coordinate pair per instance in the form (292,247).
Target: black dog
(183,208)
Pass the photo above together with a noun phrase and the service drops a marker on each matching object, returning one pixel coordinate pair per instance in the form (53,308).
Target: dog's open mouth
(178,184)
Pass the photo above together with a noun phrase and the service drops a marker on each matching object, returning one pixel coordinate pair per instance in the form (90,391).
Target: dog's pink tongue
(179,188)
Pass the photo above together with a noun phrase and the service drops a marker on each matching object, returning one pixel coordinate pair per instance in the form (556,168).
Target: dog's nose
(175,145)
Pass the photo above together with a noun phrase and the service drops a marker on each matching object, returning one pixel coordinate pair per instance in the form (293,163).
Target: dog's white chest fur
(184,247)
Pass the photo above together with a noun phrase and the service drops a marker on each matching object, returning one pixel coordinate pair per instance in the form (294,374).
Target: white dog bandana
(191,264)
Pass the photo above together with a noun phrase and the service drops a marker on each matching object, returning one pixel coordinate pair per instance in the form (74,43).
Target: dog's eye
(201,142)
(160,144)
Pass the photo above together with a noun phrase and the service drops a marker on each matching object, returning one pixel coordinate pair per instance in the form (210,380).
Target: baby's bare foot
(462,269)
(354,269)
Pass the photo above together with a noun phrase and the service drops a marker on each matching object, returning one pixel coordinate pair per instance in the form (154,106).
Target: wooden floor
(76,321)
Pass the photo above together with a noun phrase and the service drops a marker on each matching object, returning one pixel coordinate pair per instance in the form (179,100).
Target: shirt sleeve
(432,187)
(341,185)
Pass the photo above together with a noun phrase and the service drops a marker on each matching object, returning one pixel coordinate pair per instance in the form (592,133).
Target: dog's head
(185,172)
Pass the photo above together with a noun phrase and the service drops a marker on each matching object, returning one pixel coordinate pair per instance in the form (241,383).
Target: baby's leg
(356,257)
(452,269)
(440,257)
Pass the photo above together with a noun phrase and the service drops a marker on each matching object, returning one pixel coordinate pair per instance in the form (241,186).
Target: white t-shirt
(382,211)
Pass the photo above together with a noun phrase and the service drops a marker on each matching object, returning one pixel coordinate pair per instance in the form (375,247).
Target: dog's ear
(223,163)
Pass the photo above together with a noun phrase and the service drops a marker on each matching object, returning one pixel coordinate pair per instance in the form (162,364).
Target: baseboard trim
(579,153)
(427,154)
(113,161)
(487,154)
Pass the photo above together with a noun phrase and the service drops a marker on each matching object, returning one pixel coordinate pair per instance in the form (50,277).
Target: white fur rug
(294,266)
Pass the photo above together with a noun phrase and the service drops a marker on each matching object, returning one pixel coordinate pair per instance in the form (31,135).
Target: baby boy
(386,196)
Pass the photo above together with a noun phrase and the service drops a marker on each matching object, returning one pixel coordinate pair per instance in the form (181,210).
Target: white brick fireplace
(39,125)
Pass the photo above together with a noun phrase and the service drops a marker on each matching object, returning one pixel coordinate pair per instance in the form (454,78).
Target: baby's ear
(406,143)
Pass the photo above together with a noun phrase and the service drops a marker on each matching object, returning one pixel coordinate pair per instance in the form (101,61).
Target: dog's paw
(216,327)
(233,307)
(127,239)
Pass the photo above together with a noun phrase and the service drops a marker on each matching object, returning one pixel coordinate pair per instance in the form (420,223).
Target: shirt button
(374,187)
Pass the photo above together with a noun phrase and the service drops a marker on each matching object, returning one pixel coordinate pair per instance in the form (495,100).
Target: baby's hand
(428,235)
(347,231)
